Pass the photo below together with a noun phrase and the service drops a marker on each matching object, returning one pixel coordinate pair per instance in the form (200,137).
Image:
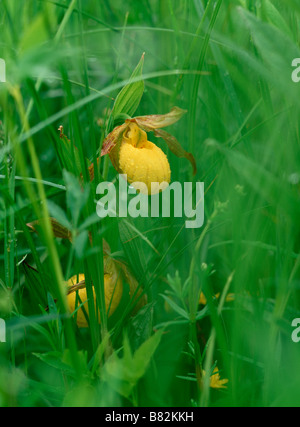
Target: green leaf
(276,49)
(63,361)
(95,363)
(144,354)
(203,313)
(59,215)
(77,196)
(123,374)
(80,244)
(130,96)
(54,359)
(272,15)
(35,34)
(176,307)
(140,326)
(69,153)
(133,248)
(175,283)
(36,284)
(261,180)
(51,304)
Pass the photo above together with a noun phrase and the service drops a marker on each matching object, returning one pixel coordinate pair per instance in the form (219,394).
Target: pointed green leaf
(272,15)
(69,153)
(35,35)
(130,96)
(123,374)
(176,307)
(133,248)
(37,285)
(140,326)
(144,354)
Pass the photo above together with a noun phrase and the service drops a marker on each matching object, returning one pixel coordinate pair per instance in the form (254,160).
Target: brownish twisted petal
(58,230)
(158,121)
(176,148)
(112,139)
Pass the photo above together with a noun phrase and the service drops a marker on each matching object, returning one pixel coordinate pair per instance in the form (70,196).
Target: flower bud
(113,286)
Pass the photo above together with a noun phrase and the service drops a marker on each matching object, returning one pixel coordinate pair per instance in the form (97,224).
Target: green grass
(229,65)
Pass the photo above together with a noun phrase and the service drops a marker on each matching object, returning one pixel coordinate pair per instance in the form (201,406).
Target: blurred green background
(229,63)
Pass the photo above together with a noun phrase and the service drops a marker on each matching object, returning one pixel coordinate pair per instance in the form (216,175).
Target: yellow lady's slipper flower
(133,155)
(113,293)
(141,160)
(115,273)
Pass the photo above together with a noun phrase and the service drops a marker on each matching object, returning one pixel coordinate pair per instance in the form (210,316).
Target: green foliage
(273,16)
(124,373)
(70,66)
(130,96)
